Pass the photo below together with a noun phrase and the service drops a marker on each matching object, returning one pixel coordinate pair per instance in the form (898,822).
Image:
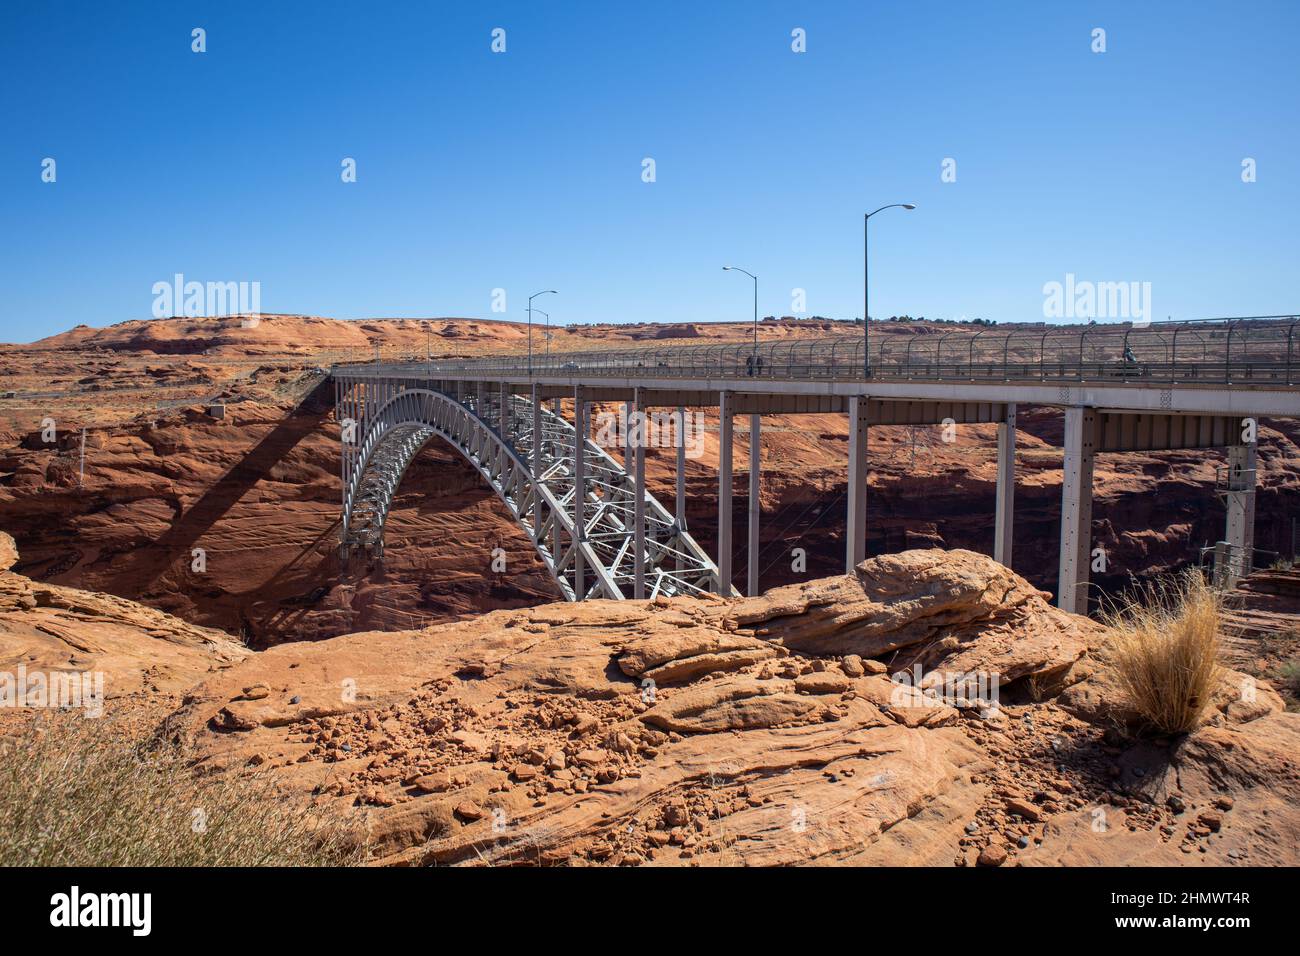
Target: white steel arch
(599,562)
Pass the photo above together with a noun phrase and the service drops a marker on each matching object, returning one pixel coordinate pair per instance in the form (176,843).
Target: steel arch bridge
(1119,388)
(529,457)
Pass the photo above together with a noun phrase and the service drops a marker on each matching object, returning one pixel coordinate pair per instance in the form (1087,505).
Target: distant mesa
(682,331)
(273,334)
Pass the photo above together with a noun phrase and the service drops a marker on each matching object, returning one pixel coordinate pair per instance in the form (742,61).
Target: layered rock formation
(258,489)
(147,658)
(256,493)
(790,728)
(272,334)
(930,709)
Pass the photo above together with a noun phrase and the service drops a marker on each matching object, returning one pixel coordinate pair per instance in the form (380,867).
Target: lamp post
(530,324)
(755,278)
(755,455)
(547,334)
(866,312)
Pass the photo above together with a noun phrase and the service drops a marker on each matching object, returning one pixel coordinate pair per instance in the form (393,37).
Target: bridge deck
(1231,366)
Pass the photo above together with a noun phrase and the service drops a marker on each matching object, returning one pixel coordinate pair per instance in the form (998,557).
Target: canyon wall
(232,522)
(258,492)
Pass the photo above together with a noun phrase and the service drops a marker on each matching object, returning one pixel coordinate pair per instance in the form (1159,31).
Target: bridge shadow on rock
(143,567)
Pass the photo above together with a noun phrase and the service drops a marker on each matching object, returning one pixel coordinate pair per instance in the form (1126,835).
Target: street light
(530,324)
(866,312)
(755,278)
(547,334)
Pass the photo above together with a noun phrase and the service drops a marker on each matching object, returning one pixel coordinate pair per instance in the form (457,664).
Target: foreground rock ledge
(144,654)
(758,731)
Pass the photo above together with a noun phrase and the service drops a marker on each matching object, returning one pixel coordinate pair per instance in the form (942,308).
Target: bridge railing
(1263,349)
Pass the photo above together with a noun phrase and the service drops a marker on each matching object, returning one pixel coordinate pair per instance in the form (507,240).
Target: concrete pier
(1076,509)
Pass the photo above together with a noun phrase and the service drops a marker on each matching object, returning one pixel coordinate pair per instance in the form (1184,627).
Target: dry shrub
(1165,650)
(1289,677)
(81,792)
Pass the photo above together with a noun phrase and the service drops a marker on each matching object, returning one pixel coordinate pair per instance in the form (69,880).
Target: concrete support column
(1240,532)
(480,401)
(855,532)
(629,408)
(755,511)
(1004,512)
(680,506)
(504,412)
(537,463)
(636,439)
(579,489)
(725,403)
(1076,509)
(556,543)
(339,415)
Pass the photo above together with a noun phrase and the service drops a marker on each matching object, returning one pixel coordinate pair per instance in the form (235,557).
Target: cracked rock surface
(783,729)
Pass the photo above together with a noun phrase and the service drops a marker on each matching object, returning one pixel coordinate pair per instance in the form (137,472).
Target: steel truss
(589,551)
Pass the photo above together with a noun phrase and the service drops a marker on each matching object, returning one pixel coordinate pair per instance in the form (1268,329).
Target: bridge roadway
(1122,388)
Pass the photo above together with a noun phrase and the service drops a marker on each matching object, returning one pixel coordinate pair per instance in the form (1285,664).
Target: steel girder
(604,534)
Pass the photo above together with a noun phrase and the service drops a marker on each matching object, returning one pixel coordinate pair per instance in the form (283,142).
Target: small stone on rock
(992,855)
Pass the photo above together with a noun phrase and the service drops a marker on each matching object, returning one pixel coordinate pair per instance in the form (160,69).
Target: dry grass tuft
(1165,650)
(1289,678)
(81,792)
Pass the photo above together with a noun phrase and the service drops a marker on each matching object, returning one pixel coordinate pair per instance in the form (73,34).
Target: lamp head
(908,205)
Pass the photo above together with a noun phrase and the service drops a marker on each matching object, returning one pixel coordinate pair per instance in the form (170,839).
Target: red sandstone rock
(881,773)
(262,485)
(140,651)
(854,769)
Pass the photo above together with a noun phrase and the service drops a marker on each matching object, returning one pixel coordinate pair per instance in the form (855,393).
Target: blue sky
(523,170)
